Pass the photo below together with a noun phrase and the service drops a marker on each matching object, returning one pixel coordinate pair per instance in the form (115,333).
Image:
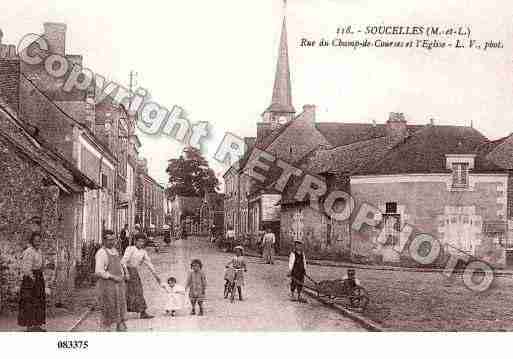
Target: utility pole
(133,78)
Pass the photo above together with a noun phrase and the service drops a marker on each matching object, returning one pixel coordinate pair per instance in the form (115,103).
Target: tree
(190,175)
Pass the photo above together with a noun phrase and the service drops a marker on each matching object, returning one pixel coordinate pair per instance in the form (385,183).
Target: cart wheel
(359,298)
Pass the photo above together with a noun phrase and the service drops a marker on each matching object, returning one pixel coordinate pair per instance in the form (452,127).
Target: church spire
(281,104)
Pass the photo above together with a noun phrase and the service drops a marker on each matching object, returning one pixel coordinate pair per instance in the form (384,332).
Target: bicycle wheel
(232,292)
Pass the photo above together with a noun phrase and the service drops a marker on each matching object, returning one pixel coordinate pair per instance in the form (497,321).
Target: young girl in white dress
(176,299)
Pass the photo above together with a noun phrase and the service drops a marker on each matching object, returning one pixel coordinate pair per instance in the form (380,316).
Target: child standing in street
(239,265)
(197,285)
(176,296)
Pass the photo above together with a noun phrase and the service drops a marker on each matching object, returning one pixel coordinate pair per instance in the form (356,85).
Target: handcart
(339,291)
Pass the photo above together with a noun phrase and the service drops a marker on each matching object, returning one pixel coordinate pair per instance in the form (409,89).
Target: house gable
(298,138)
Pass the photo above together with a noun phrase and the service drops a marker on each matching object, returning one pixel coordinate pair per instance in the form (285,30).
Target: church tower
(281,110)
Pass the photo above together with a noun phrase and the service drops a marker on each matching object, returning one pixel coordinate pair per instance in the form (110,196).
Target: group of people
(121,289)
(116,298)
(120,286)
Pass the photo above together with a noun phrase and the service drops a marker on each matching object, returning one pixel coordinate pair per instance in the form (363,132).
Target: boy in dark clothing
(297,270)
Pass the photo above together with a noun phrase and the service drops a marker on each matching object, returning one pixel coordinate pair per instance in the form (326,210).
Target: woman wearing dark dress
(32,306)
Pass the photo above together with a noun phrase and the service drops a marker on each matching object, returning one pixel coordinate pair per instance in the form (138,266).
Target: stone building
(438,179)
(448,181)
(93,138)
(42,191)
(184,215)
(211,214)
(150,199)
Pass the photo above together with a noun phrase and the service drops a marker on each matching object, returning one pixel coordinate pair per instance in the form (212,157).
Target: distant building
(184,215)
(150,199)
(211,214)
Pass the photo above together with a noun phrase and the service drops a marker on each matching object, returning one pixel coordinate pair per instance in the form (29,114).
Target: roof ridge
(341,147)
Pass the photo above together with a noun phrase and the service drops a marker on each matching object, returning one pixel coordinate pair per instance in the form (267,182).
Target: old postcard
(254,166)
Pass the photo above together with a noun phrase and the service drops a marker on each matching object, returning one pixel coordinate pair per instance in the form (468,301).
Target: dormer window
(460,175)
(460,166)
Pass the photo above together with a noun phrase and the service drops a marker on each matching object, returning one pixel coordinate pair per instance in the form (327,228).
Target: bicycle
(231,276)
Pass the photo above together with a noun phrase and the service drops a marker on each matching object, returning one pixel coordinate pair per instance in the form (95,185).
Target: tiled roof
(340,134)
(425,150)
(41,152)
(345,159)
(263,143)
(498,154)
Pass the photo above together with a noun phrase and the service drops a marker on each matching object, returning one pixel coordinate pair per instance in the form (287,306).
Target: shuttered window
(460,175)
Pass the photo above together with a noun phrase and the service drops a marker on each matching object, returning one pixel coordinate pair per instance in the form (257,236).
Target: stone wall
(27,204)
(313,229)
(429,205)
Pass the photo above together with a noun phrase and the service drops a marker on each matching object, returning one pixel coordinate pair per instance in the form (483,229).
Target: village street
(266,305)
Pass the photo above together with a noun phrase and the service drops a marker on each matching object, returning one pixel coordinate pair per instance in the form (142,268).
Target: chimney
(55,34)
(309,110)
(6,51)
(90,113)
(396,126)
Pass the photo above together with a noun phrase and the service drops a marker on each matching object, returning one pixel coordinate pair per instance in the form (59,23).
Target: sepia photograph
(336,168)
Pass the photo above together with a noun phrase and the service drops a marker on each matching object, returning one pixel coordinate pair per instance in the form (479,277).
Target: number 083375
(72,344)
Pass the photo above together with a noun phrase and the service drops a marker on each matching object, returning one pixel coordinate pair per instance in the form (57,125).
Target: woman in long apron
(111,284)
(32,304)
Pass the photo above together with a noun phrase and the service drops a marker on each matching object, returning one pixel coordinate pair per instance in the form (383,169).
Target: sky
(217,59)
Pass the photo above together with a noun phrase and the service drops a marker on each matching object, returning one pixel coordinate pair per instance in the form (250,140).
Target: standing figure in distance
(124,238)
(269,241)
